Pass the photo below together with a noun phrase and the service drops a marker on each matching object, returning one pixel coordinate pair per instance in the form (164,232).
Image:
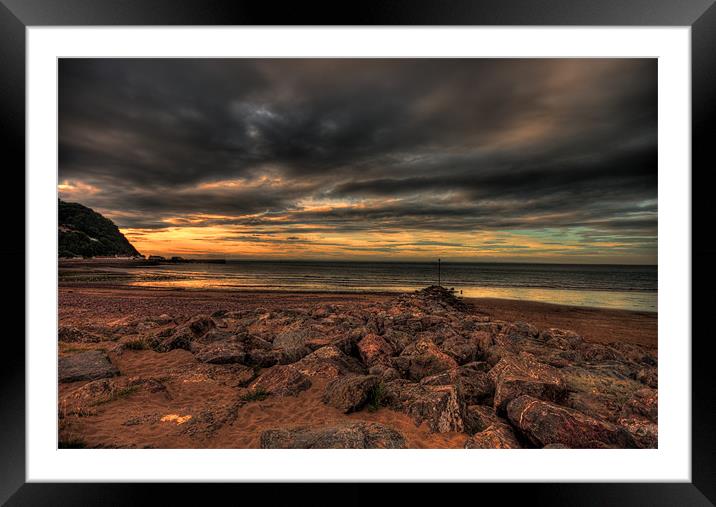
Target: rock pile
(426,354)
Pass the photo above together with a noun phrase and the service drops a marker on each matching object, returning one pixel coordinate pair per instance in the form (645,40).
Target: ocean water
(605,286)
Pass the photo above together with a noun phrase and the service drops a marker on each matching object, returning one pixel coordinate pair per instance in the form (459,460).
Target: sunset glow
(504,160)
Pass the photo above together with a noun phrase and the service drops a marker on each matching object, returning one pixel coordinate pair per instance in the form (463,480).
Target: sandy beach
(153,390)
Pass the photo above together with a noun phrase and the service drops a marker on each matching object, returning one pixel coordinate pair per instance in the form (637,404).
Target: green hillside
(86,233)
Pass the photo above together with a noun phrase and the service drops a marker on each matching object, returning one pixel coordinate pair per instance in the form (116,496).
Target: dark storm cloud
(454,145)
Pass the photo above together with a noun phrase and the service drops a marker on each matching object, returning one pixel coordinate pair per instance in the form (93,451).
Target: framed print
(417,245)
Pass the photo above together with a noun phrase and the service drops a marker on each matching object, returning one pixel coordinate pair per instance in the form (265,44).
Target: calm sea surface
(627,287)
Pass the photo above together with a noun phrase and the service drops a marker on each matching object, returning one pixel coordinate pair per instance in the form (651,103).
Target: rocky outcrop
(349,393)
(422,359)
(480,417)
(75,335)
(438,406)
(90,365)
(515,376)
(374,349)
(328,362)
(281,380)
(220,353)
(545,423)
(424,354)
(495,436)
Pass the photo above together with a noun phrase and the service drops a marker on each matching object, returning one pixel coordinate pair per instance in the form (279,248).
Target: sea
(602,286)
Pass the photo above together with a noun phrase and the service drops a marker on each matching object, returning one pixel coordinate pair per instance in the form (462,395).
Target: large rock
(90,365)
(480,417)
(77,335)
(359,435)
(643,403)
(545,423)
(598,390)
(200,324)
(515,333)
(349,393)
(170,339)
(221,353)
(463,350)
(281,380)
(474,385)
(263,358)
(648,375)
(328,362)
(495,436)
(422,359)
(644,432)
(83,401)
(515,376)
(295,336)
(373,349)
(561,339)
(438,406)
(639,415)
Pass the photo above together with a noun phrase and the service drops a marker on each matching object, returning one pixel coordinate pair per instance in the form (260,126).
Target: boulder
(462,350)
(515,333)
(292,355)
(294,336)
(422,359)
(397,339)
(214,335)
(598,390)
(560,338)
(484,340)
(263,358)
(90,365)
(645,356)
(596,352)
(385,373)
(179,338)
(221,353)
(349,393)
(480,417)
(438,406)
(358,435)
(328,362)
(495,436)
(373,349)
(648,375)
(200,324)
(281,380)
(643,403)
(515,376)
(644,431)
(83,401)
(73,335)
(474,385)
(545,423)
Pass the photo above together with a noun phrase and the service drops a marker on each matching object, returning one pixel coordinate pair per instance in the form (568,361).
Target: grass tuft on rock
(376,397)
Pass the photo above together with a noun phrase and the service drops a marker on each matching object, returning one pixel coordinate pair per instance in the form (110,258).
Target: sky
(498,160)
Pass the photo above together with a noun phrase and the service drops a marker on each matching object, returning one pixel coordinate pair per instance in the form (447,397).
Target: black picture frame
(700,15)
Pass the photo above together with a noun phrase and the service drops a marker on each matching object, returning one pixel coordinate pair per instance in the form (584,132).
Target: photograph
(357,253)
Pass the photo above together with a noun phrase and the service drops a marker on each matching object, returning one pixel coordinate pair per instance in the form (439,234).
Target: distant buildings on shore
(151,258)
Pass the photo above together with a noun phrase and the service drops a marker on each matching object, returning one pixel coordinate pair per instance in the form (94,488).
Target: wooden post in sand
(438,272)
